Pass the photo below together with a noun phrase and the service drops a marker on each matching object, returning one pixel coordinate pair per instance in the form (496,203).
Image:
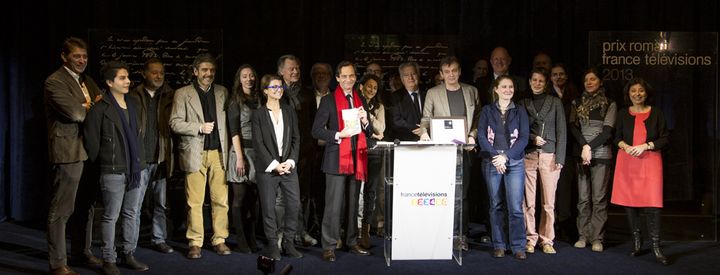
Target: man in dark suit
(407,104)
(296,96)
(68,96)
(344,160)
(312,151)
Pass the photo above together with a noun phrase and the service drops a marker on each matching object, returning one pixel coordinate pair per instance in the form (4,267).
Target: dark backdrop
(257,32)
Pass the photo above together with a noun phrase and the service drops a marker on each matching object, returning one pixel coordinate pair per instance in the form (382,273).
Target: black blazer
(264,142)
(324,128)
(654,125)
(404,115)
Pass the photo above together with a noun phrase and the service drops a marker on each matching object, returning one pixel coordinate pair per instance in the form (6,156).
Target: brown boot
(364,241)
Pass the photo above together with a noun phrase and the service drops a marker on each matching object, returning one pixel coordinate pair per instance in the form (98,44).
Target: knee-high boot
(634,222)
(242,245)
(237,217)
(364,241)
(653,219)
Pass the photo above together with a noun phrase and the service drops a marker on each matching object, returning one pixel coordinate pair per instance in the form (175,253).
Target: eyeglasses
(276,87)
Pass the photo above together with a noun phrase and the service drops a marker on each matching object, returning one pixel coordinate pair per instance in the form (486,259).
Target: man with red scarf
(344,161)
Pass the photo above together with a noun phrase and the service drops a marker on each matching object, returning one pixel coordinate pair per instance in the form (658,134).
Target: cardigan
(655,126)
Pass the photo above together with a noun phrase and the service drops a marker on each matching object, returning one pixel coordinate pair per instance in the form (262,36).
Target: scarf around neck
(589,102)
(347,165)
(130,129)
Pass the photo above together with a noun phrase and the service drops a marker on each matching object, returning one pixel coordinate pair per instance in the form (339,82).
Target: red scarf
(345,153)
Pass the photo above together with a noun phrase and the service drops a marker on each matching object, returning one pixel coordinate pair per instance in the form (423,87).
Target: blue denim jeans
(157,185)
(506,193)
(118,199)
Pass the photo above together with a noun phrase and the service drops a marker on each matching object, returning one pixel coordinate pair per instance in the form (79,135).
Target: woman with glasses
(241,166)
(276,140)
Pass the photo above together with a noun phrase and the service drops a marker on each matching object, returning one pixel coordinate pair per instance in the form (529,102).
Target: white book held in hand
(351,118)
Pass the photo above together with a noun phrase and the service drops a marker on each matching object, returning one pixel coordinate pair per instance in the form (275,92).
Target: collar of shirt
(416,91)
(496,75)
(73,74)
(151,93)
(321,94)
(510,106)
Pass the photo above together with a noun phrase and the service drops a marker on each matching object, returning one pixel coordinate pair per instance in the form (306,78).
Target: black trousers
(340,189)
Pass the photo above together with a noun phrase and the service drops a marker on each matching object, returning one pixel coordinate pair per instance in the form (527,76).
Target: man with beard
(198,118)
(156,98)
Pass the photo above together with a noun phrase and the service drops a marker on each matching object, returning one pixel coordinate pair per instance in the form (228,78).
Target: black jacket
(404,116)
(655,126)
(105,138)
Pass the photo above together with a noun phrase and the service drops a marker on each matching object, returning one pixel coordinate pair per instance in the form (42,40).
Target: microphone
(397,142)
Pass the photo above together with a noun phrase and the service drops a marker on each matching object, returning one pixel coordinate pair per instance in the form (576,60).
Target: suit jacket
(164,133)
(186,119)
(264,137)
(324,128)
(404,115)
(436,105)
(65,113)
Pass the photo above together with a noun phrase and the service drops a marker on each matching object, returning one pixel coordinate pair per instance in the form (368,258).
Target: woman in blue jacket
(502,137)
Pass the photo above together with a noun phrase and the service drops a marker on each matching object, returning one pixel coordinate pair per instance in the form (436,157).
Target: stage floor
(23,250)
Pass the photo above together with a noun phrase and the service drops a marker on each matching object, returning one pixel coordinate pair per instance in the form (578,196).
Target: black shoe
(134,264)
(290,250)
(659,256)
(110,269)
(163,248)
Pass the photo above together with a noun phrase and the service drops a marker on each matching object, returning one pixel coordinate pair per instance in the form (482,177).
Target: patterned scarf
(591,101)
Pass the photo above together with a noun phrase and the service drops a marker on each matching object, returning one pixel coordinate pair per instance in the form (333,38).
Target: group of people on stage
(290,153)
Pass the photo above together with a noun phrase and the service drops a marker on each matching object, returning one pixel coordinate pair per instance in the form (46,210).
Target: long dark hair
(238,96)
(376,101)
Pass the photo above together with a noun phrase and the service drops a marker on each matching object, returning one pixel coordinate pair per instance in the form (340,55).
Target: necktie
(350,101)
(416,102)
(353,139)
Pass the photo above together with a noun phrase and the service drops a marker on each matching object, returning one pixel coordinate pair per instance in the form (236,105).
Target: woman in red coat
(638,185)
